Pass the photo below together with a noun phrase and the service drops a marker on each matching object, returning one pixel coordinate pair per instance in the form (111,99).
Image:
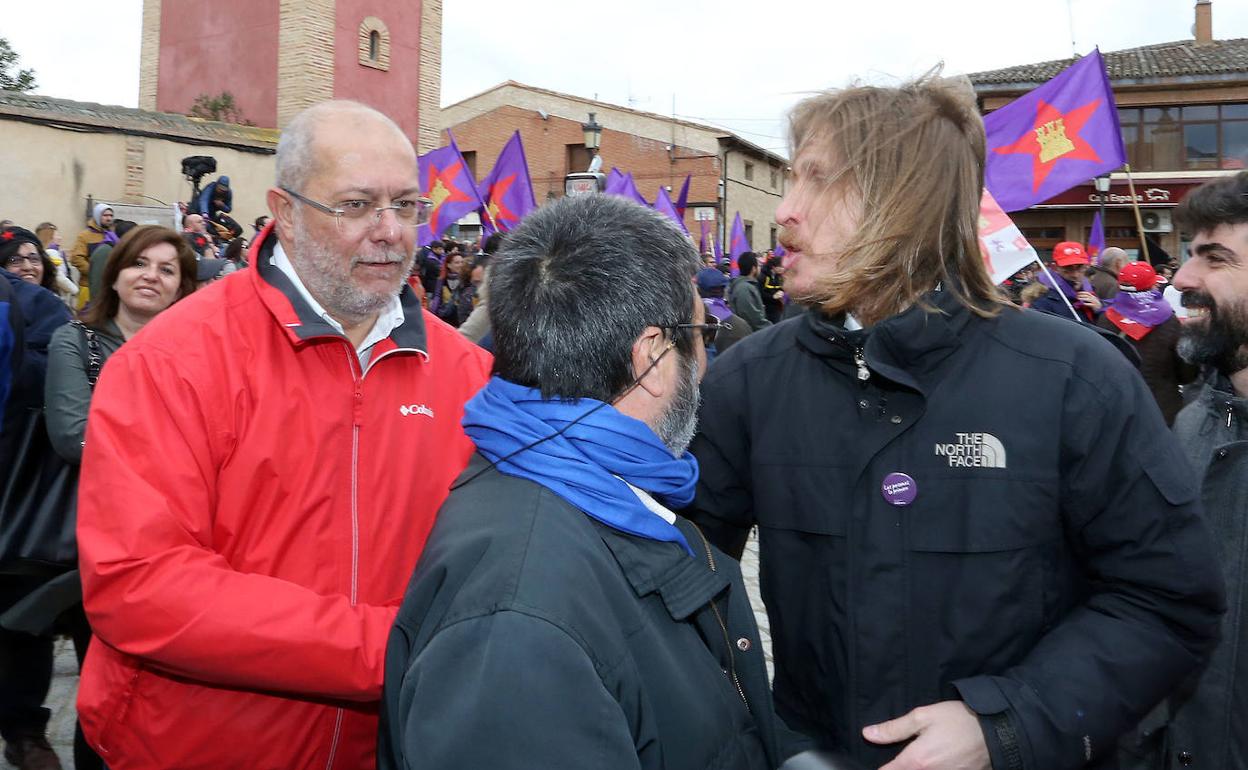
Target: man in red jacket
(261,469)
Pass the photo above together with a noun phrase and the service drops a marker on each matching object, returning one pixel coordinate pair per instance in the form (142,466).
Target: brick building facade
(729,174)
(295,53)
(1183,108)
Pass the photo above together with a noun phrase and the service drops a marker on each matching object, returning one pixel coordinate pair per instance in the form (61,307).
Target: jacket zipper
(333,747)
(860,361)
(860,358)
(357,383)
(732,659)
(1230,411)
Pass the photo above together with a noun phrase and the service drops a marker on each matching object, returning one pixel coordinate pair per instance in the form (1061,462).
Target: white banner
(1005,249)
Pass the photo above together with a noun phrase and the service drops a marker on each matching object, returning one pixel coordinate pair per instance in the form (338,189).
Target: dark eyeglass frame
(16,259)
(710,329)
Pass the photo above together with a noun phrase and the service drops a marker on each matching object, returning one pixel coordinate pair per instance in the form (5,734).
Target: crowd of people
(334,500)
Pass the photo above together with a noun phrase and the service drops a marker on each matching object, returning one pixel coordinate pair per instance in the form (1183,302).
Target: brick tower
(278,56)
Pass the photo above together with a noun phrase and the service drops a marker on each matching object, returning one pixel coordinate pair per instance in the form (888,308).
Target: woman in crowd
(22,254)
(151,268)
(32,487)
(454,297)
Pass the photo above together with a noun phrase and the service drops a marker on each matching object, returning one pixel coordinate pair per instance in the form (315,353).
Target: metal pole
(1057,288)
(1102,197)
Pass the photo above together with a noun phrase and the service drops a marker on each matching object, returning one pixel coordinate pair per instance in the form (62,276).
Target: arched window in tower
(374,44)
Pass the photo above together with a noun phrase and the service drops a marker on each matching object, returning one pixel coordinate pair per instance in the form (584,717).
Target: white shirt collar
(652,505)
(387,321)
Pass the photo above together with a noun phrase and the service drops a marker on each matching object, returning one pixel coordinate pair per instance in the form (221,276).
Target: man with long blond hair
(980,547)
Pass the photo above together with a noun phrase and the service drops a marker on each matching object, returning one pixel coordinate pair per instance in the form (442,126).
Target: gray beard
(328,279)
(679,423)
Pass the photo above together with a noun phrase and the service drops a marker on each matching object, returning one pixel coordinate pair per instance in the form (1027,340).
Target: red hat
(1069,253)
(1138,276)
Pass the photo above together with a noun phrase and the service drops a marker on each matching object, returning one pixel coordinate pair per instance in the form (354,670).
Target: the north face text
(973,450)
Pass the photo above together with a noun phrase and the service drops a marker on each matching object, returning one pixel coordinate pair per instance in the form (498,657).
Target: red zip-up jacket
(252,505)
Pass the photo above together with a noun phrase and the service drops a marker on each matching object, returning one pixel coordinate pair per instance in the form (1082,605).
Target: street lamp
(593,135)
(591,180)
(1102,188)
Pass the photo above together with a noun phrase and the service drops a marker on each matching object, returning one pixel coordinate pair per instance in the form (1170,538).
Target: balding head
(1113,258)
(316,133)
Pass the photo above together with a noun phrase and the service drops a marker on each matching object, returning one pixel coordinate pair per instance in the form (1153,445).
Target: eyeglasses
(710,329)
(16,260)
(410,212)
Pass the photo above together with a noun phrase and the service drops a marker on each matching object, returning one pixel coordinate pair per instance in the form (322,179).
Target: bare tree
(12,78)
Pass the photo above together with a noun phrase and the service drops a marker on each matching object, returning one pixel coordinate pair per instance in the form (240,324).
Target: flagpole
(486,210)
(1139,221)
(1065,299)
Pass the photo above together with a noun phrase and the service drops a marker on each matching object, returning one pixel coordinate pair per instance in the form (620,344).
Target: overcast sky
(733,63)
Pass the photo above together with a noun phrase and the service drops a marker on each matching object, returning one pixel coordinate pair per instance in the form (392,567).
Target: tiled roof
(127,120)
(1180,59)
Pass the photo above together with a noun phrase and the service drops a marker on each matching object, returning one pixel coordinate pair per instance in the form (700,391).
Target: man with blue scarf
(562,615)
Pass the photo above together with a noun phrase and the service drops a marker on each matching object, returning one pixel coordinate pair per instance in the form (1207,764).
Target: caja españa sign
(1155,194)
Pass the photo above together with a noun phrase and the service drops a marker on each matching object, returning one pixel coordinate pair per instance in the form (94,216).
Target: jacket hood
(97,212)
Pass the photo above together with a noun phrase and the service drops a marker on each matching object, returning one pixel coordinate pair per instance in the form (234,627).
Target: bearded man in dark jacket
(1203,725)
(980,546)
(561,615)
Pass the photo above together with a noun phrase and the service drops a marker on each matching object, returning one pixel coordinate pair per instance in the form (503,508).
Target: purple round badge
(899,489)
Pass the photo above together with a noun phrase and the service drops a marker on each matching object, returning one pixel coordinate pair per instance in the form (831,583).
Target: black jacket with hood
(1052,571)
(533,636)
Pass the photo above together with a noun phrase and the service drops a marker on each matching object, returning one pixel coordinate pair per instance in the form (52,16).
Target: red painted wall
(395,92)
(222,45)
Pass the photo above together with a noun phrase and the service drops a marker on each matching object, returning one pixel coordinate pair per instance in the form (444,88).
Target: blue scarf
(583,464)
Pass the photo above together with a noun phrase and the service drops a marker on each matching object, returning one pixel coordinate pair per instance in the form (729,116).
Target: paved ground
(61,701)
(65,677)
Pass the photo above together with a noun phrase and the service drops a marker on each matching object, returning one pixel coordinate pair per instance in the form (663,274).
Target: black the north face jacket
(1049,567)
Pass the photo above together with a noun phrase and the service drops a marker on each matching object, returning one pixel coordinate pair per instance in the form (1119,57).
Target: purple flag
(508,191)
(445,180)
(702,241)
(719,250)
(682,200)
(663,205)
(623,185)
(1055,137)
(780,251)
(1096,240)
(737,244)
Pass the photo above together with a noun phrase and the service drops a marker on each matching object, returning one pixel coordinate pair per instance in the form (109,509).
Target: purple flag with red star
(445,180)
(663,205)
(508,191)
(1061,134)
(682,200)
(623,185)
(737,244)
